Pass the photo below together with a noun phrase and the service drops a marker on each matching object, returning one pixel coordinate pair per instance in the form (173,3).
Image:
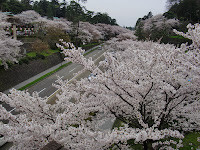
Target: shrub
(25,60)
(30,58)
(20,62)
(53,36)
(39,46)
(42,57)
(38,55)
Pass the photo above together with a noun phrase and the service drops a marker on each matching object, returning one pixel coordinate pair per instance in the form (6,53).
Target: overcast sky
(126,12)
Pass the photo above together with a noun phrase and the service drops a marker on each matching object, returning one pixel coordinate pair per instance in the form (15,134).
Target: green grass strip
(45,53)
(177,37)
(44,76)
(31,54)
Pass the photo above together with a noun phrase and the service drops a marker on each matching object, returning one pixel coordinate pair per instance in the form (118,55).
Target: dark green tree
(15,6)
(43,6)
(26,4)
(63,9)
(36,6)
(74,12)
(185,10)
(103,18)
(2,4)
(49,11)
(55,6)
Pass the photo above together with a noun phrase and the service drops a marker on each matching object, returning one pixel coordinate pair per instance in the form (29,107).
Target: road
(45,88)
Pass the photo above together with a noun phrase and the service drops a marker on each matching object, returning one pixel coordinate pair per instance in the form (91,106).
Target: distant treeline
(184,10)
(73,11)
(180,13)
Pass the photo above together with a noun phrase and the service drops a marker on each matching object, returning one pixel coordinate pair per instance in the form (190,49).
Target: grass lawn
(177,37)
(190,141)
(45,53)
(31,54)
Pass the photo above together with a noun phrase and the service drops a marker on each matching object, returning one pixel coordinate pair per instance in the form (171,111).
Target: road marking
(12,110)
(41,90)
(61,77)
(72,70)
(53,94)
(94,54)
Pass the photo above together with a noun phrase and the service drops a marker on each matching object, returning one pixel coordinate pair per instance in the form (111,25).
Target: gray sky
(126,12)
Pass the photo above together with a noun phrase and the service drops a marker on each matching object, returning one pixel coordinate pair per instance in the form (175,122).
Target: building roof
(8,13)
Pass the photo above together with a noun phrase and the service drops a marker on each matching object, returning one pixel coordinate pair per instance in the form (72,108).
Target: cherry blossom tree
(156,27)
(9,49)
(152,88)
(43,23)
(28,16)
(127,35)
(159,22)
(89,32)
(192,34)
(109,31)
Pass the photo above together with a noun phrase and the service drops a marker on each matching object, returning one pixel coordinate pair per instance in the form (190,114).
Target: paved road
(45,88)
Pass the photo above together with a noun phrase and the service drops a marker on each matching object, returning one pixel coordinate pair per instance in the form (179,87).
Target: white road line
(72,70)
(12,110)
(61,77)
(41,90)
(94,54)
(70,80)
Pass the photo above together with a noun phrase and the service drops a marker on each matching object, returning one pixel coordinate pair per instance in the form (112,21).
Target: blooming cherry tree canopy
(152,88)
(159,22)
(9,49)
(29,16)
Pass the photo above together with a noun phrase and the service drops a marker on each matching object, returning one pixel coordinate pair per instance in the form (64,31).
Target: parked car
(99,47)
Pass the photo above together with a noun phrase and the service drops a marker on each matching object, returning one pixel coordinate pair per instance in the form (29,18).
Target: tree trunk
(147,145)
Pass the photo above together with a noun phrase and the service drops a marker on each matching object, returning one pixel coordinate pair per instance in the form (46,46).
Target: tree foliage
(9,49)
(184,10)
(152,88)
(155,27)
(73,11)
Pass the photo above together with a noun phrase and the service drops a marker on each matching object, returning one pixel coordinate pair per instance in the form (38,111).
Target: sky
(126,12)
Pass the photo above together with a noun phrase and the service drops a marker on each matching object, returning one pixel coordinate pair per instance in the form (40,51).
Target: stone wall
(19,73)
